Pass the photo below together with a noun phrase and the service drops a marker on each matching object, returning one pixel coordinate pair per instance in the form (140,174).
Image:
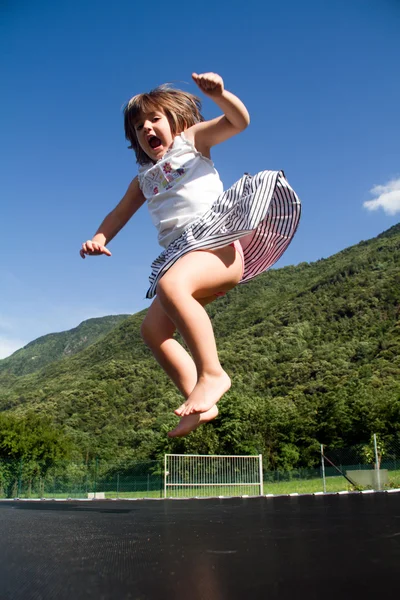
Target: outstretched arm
(114,221)
(235,119)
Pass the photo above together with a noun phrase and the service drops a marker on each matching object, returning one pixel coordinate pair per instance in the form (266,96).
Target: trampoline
(314,546)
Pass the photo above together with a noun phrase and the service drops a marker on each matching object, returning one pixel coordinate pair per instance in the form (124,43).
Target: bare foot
(191,422)
(208,390)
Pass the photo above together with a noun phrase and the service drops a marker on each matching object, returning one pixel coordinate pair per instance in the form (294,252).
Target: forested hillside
(55,346)
(313,351)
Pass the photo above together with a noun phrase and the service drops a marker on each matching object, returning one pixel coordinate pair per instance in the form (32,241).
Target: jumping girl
(212,239)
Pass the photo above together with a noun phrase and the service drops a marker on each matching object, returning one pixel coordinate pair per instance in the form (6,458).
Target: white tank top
(179,188)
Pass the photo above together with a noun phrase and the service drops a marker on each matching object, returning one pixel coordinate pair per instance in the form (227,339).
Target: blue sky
(321,82)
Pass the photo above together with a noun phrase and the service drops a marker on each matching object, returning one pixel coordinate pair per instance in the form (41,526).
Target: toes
(183,428)
(179,411)
(186,410)
(172,433)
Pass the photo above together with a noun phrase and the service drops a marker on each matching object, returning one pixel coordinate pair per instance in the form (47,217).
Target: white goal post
(194,475)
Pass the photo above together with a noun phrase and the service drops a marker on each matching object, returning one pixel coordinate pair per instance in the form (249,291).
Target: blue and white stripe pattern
(263,211)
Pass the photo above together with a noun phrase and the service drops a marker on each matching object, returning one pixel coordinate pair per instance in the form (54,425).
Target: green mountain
(313,351)
(55,346)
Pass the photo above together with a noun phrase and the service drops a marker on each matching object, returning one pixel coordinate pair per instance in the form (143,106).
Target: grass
(300,486)
(307,486)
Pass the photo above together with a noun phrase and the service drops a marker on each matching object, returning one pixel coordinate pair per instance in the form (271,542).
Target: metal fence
(99,479)
(375,465)
(198,476)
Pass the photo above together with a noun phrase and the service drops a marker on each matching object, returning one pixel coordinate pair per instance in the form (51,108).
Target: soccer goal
(195,475)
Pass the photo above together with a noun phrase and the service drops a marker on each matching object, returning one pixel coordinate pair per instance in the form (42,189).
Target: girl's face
(154,134)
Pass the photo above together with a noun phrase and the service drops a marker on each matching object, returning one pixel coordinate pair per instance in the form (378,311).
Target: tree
(29,446)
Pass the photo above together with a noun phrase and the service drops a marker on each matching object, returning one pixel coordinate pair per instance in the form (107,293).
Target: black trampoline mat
(331,546)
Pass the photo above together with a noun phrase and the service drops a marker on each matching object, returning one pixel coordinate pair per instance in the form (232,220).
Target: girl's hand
(93,249)
(210,84)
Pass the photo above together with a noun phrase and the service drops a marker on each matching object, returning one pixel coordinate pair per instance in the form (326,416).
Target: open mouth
(154,142)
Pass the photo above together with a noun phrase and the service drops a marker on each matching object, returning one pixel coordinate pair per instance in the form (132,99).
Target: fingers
(209,82)
(93,249)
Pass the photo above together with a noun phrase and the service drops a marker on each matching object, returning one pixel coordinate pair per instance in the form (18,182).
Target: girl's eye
(139,127)
(156,119)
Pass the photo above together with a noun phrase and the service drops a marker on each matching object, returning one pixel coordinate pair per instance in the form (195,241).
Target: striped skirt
(262,211)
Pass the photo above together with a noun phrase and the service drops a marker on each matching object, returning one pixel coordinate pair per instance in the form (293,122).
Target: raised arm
(114,221)
(234,120)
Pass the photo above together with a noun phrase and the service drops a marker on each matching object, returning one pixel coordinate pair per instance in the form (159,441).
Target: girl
(212,239)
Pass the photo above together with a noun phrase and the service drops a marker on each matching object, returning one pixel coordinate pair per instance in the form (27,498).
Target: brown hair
(181,109)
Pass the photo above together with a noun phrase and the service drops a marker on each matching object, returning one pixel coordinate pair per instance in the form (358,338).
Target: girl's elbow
(245,118)
(245,122)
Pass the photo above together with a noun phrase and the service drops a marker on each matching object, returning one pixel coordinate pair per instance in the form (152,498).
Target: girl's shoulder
(186,140)
(190,140)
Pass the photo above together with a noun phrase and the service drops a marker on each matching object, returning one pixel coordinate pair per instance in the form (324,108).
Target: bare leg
(195,276)
(157,331)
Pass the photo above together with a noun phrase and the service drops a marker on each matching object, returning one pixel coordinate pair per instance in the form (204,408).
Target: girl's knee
(168,288)
(156,328)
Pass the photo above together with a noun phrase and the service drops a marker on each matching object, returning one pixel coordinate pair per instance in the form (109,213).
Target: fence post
(323,467)
(165,475)
(95,478)
(261,475)
(20,478)
(378,473)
